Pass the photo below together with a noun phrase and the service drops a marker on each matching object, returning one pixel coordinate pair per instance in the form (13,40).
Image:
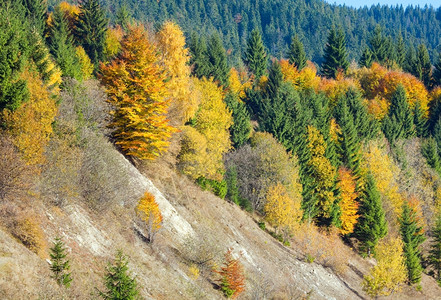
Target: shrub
(28,231)
(219,188)
(232,280)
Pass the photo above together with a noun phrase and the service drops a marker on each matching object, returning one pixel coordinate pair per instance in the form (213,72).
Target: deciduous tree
(348,203)
(148,210)
(232,274)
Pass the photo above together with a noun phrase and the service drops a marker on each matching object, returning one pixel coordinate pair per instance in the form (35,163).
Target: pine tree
(296,53)
(217,61)
(429,150)
(400,50)
(13,56)
(60,266)
(412,236)
(378,46)
(371,225)
(366,58)
(233,190)
(410,63)
(365,125)
(335,59)
(91,29)
(420,121)
(424,67)
(61,46)
(434,257)
(255,55)
(399,122)
(436,78)
(241,128)
(118,282)
(36,13)
(198,56)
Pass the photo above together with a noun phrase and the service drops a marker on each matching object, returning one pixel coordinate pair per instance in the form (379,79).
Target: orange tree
(232,280)
(135,86)
(148,210)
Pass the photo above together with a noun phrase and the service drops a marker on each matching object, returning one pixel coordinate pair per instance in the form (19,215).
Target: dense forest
(346,151)
(280,20)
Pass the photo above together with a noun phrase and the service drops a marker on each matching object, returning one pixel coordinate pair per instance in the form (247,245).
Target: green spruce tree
(366,58)
(379,46)
(429,149)
(434,257)
(118,282)
(241,128)
(436,78)
(420,121)
(410,63)
(255,55)
(217,60)
(35,11)
(371,225)
(91,29)
(412,236)
(400,50)
(335,59)
(60,266)
(198,56)
(424,66)
(123,17)
(296,53)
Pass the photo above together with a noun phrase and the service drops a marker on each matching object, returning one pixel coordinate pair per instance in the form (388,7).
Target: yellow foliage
(204,145)
(378,107)
(390,272)
(348,204)
(239,82)
(86,64)
(148,210)
(70,11)
(31,124)
(113,41)
(335,88)
(28,230)
(281,210)
(175,58)
(194,272)
(305,79)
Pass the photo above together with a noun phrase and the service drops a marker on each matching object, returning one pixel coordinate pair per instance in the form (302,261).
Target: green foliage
(217,60)
(241,128)
(232,188)
(60,266)
(434,257)
(198,56)
(366,58)
(123,17)
(36,13)
(420,121)
(255,55)
(296,53)
(335,59)
(400,51)
(429,149)
(412,236)
(436,77)
(423,66)
(13,55)
(381,47)
(371,225)
(118,282)
(91,30)
(61,45)
(219,188)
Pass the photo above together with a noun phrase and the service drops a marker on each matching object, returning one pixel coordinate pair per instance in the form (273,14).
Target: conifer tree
(378,46)
(123,17)
(335,59)
(217,60)
(437,133)
(424,67)
(371,225)
(400,50)
(296,53)
(241,128)
(14,48)
(410,63)
(91,29)
(365,125)
(36,13)
(412,236)
(434,257)
(420,121)
(429,149)
(232,188)
(255,55)
(61,46)
(60,266)
(198,56)
(436,78)
(119,283)
(399,122)
(366,58)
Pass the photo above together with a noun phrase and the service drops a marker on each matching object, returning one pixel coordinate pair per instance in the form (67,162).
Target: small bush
(219,188)
(27,229)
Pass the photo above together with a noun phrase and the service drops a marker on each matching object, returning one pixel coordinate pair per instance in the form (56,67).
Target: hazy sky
(360,3)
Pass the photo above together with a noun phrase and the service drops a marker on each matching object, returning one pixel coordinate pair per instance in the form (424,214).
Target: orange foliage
(232,280)
(135,86)
(148,210)
(415,205)
(348,203)
(334,88)
(305,79)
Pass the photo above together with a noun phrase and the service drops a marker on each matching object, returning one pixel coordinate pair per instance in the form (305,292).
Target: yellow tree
(175,58)
(135,86)
(389,273)
(204,145)
(31,124)
(281,210)
(113,41)
(85,63)
(348,203)
(148,210)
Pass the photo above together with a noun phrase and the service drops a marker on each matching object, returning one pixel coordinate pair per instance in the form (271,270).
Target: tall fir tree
(410,63)
(420,121)
(91,29)
(434,257)
(60,266)
(424,66)
(412,236)
(335,59)
(241,128)
(119,283)
(296,53)
(61,45)
(399,121)
(379,46)
(255,55)
(198,56)
(217,60)
(400,50)
(14,48)
(371,225)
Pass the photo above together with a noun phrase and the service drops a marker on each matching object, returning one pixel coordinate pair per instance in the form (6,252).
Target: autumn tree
(390,272)
(148,210)
(348,203)
(119,284)
(335,59)
(412,236)
(232,282)
(60,266)
(296,53)
(135,86)
(255,55)
(281,211)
